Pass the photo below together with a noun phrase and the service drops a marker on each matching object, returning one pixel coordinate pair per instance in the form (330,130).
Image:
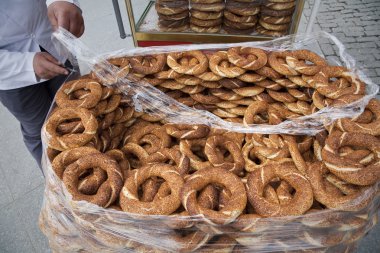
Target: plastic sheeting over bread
(151,100)
(79,226)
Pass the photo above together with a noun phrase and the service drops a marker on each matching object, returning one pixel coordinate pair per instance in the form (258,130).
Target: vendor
(31,71)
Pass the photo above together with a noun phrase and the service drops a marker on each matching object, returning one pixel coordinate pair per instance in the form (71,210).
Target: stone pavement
(354,22)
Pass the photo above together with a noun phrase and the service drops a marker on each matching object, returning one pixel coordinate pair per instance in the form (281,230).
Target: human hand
(46,66)
(66,15)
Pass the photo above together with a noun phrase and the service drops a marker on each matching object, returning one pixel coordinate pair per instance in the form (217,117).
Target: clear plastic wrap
(151,100)
(79,226)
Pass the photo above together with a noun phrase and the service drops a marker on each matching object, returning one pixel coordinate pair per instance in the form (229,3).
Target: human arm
(67,14)
(27,67)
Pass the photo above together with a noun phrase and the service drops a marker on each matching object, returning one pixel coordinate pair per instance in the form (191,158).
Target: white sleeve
(76,2)
(16,67)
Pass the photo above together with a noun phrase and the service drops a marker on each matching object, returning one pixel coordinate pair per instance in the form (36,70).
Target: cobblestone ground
(357,24)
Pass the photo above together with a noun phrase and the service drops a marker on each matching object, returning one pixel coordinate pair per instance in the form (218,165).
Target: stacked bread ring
(173,15)
(276,17)
(230,183)
(206,15)
(241,16)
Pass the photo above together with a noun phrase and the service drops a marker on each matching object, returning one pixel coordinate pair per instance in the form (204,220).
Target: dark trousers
(30,106)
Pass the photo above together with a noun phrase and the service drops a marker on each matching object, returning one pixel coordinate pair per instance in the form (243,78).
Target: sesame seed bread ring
(200,179)
(243,9)
(193,89)
(189,241)
(205,1)
(230,72)
(182,131)
(189,80)
(223,113)
(273,148)
(274,60)
(232,30)
(178,16)
(254,109)
(332,90)
(211,84)
(251,77)
(268,72)
(109,189)
(206,97)
(276,13)
(163,140)
(120,158)
(351,170)
(301,95)
(197,69)
(171,8)
(92,99)
(172,85)
(276,20)
(273,27)
(91,183)
(258,179)
(68,141)
(226,105)
(262,30)
(268,84)
(188,147)
(284,97)
(238,25)
(209,76)
(331,196)
(72,127)
(303,68)
(215,143)
(371,127)
(214,7)
(240,57)
(238,18)
(157,63)
(280,6)
(173,23)
(232,83)
(129,199)
(182,28)
(280,1)
(205,23)
(201,29)
(135,154)
(206,15)
(67,157)
(182,163)
(167,74)
(249,91)
(225,94)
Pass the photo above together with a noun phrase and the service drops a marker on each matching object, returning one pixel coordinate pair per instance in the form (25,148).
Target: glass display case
(165,22)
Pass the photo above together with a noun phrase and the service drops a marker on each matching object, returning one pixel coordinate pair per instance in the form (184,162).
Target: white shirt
(24,27)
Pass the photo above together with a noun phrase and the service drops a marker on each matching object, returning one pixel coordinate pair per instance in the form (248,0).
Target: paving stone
(5,192)
(21,175)
(13,237)
(327,49)
(30,206)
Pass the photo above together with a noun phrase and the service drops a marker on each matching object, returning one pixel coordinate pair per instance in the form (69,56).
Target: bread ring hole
(254,158)
(224,154)
(149,141)
(73,125)
(198,150)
